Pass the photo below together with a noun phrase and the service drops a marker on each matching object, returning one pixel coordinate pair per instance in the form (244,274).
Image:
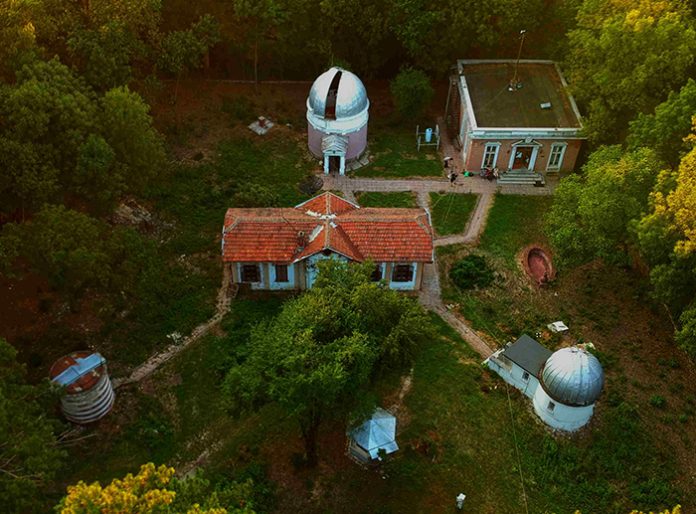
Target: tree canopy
(625,57)
(155,490)
(29,454)
(318,357)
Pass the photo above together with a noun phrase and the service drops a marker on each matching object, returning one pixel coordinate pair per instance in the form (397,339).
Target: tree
(591,215)
(62,245)
(667,238)
(127,129)
(666,129)
(318,357)
(412,93)
(29,454)
(625,57)
(183,50)
(96,176)
(261,18)
(155,490)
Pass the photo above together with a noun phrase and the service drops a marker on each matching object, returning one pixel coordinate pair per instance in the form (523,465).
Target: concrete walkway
(475,226)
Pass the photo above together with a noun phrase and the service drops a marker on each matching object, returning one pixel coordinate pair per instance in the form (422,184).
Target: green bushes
(412,92)
(472,272)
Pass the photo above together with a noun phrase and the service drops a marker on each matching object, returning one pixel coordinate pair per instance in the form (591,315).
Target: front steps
(521,177)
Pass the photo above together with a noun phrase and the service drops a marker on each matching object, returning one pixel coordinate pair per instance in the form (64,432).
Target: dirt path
(475,226)
(222,307)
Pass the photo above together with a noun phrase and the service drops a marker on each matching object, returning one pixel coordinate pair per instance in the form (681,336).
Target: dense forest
(77,137)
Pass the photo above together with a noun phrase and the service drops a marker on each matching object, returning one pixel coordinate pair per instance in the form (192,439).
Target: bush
(412,92)
(470,272)
(255,195)
(240,109)
(658,401)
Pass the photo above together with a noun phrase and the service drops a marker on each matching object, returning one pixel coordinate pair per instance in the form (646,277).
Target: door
(334,163)
(523,155)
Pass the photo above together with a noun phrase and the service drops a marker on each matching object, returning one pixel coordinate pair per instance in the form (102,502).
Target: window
(525,376)
(402,273)
(281,273)
(551,406)
(251,273)
(556,156)
(377,273)
(490,155)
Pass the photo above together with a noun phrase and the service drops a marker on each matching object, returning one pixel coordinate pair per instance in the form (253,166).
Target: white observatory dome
(350,95)
(573,376)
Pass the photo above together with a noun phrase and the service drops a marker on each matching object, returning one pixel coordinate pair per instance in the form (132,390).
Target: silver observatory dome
(336,94)
(573,376)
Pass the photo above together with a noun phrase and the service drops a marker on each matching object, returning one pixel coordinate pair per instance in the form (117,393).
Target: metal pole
(513,83)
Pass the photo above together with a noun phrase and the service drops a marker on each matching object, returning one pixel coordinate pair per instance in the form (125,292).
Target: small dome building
(570,384)
(337,115)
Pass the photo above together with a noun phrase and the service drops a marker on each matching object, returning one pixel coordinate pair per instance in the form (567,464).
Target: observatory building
(337,114)
(563,385)
(89,395)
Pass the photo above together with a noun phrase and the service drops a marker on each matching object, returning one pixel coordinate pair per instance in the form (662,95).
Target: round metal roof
(573,376)
(351,97)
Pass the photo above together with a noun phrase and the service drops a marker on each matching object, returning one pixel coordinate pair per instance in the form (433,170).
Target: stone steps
(520,177)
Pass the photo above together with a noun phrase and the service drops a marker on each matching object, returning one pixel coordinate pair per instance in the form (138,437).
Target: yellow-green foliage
(144,493)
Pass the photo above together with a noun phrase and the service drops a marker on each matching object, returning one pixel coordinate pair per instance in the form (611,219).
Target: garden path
(222,307)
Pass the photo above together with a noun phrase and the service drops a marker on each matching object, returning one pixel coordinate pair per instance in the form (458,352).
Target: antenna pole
(513,83)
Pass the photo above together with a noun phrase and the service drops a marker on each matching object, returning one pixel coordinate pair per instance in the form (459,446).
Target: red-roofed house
(278,248)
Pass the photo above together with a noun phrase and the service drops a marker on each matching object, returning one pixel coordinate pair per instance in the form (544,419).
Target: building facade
(563,385)
(279,249)
(515,117)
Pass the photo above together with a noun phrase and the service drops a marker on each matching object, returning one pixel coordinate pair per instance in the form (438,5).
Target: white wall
(562,417)
(513,374)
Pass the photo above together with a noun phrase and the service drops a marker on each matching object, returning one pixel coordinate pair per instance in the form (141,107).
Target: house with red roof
(279,248)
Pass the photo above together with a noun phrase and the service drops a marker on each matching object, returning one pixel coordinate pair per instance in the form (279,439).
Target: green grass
(451,211)
(514,222)
(190,204)
(394,155)
(400,199)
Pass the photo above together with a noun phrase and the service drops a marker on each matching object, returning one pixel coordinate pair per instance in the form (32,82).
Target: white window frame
(496,150)
(561,155)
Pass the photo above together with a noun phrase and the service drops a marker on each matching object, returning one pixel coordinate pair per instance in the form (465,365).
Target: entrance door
(523,155)
(334,163)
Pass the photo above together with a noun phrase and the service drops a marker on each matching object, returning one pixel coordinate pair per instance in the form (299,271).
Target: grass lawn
(399,199)
(451,211)
(611,308)
(513,223)
(394,155)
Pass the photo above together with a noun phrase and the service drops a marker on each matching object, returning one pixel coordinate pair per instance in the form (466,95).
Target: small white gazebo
(375,434)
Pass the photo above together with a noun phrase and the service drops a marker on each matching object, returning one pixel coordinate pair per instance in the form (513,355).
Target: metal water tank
(89,395)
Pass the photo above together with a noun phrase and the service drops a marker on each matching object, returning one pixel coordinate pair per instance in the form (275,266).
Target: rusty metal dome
(573,376)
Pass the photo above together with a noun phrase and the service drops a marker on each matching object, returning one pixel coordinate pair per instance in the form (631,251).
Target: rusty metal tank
(88,393)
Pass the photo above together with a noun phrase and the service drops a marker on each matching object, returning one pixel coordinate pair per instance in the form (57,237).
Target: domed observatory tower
(337,114)
(571,381)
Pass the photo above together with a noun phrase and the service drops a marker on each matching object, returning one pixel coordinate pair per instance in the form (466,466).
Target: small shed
(375,434)
(520,363)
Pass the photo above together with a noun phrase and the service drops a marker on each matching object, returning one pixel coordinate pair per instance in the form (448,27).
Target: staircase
(521,177)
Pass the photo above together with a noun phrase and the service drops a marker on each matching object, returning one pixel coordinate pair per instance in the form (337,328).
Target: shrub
(658,401)
(412,92)
(255,195)
(240,109)
(471,272)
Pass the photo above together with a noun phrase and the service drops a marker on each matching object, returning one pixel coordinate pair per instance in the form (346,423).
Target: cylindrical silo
(89,395)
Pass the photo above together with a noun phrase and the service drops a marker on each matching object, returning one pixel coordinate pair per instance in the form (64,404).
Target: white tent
(377,433)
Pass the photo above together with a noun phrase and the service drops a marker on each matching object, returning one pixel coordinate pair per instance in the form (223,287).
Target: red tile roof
(327,222)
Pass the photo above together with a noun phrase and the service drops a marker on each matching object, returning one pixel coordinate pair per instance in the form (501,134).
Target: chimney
(301,240)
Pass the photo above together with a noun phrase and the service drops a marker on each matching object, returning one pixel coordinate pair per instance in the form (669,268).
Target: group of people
(451,172)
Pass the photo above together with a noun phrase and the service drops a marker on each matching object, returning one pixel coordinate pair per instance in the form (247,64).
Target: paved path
(222,307)
(475,226)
